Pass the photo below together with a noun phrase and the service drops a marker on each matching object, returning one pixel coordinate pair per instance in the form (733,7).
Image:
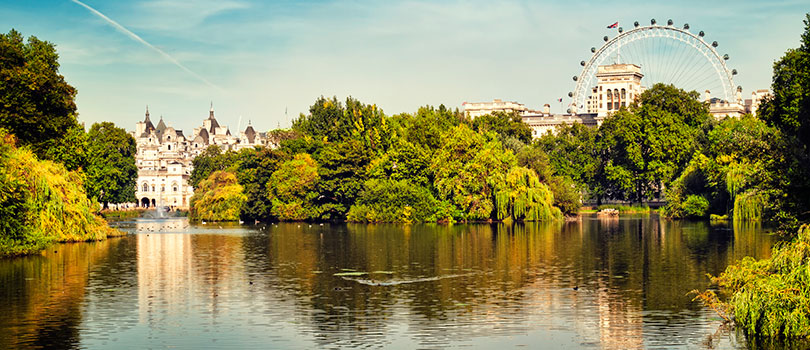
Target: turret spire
(211,113)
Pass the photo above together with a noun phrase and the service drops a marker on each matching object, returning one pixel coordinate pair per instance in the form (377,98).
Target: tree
(506,125)
(36,104)
(469,169)
(111,171)
(342,172)
(386,200)
(293,189)
(218,198)
(254,171)
(523,197)
(209,161)
(788,110)
(571,153)
(644,148)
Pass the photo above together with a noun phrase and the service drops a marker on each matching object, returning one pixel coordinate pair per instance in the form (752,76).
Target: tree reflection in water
(304,286)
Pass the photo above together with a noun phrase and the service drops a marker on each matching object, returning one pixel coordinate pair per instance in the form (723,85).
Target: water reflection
(619,283)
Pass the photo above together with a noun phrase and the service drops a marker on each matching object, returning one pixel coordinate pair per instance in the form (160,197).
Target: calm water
(291,286)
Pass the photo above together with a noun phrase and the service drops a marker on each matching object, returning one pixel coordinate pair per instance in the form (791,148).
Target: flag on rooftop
(614,25)
(559,100)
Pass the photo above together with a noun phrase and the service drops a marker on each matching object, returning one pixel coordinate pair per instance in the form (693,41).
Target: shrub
(695,206)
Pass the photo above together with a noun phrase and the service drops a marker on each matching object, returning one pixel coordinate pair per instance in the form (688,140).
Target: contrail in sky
(137,38)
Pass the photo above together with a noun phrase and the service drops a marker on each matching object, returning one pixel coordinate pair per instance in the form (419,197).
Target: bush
(695,206)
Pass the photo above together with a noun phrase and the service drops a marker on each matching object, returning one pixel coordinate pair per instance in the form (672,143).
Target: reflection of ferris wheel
(666,54)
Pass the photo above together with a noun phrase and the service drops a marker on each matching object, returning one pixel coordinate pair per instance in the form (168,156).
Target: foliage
(695,207)
(37,104)
(771,297)
(342,172)
(71,150)
(253,171)
(788,110)
(111,171)
(218,198)
(209,161)
(41,202)
(571,152)
(469,169)
(644,148)
(292,189)
(523,197)
(388,200)
(506,125)
(748,206)
(566,191)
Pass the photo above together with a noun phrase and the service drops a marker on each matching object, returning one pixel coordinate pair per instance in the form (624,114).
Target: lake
(592,284)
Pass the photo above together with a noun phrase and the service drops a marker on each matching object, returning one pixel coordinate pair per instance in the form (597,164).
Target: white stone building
(164,157)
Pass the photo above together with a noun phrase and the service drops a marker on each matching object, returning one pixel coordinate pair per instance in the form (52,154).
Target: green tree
(523,197)
(788,110)
(506,125)
(218,198)
(644,148)
(292,189)
(254,171)
(36,104)
(209,161)
(111,171)
(468,170)
(387,200)
(342,173)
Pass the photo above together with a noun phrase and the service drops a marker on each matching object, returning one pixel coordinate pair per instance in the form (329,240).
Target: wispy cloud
(137,38)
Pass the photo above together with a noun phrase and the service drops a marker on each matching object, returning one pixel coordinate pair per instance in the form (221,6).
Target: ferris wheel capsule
(576,78)
(570,94)
(733,72)
(593,49)
(652,21)
(669,22)
(686,26)
(605,38)
(635,24)
(714,44)
(725,57)
(582,63)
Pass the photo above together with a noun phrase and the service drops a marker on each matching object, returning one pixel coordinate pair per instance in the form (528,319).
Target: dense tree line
(350,161)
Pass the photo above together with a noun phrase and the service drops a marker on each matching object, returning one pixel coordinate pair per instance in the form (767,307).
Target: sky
(267,61)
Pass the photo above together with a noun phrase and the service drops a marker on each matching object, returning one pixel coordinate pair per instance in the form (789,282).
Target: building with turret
(164,157)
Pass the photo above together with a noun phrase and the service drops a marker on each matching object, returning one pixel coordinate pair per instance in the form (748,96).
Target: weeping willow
(41,203)
(735,179)
(524,197)
(748,206)
(771,297)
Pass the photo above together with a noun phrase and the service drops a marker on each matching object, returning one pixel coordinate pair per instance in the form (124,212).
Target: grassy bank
(122,214)
(42,203)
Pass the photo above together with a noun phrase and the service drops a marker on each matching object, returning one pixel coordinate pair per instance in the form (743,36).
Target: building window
(162,188)
(170,147)
(145,188)
(153,188)
(624,94)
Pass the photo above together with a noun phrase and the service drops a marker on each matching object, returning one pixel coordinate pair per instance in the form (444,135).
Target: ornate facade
(165,154)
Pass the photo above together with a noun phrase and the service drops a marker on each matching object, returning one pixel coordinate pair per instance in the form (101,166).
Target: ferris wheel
(666,54)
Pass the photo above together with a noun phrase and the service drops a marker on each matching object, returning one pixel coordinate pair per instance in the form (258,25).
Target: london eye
(666,54)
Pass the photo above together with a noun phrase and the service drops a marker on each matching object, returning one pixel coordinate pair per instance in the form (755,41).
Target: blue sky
(258,58)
